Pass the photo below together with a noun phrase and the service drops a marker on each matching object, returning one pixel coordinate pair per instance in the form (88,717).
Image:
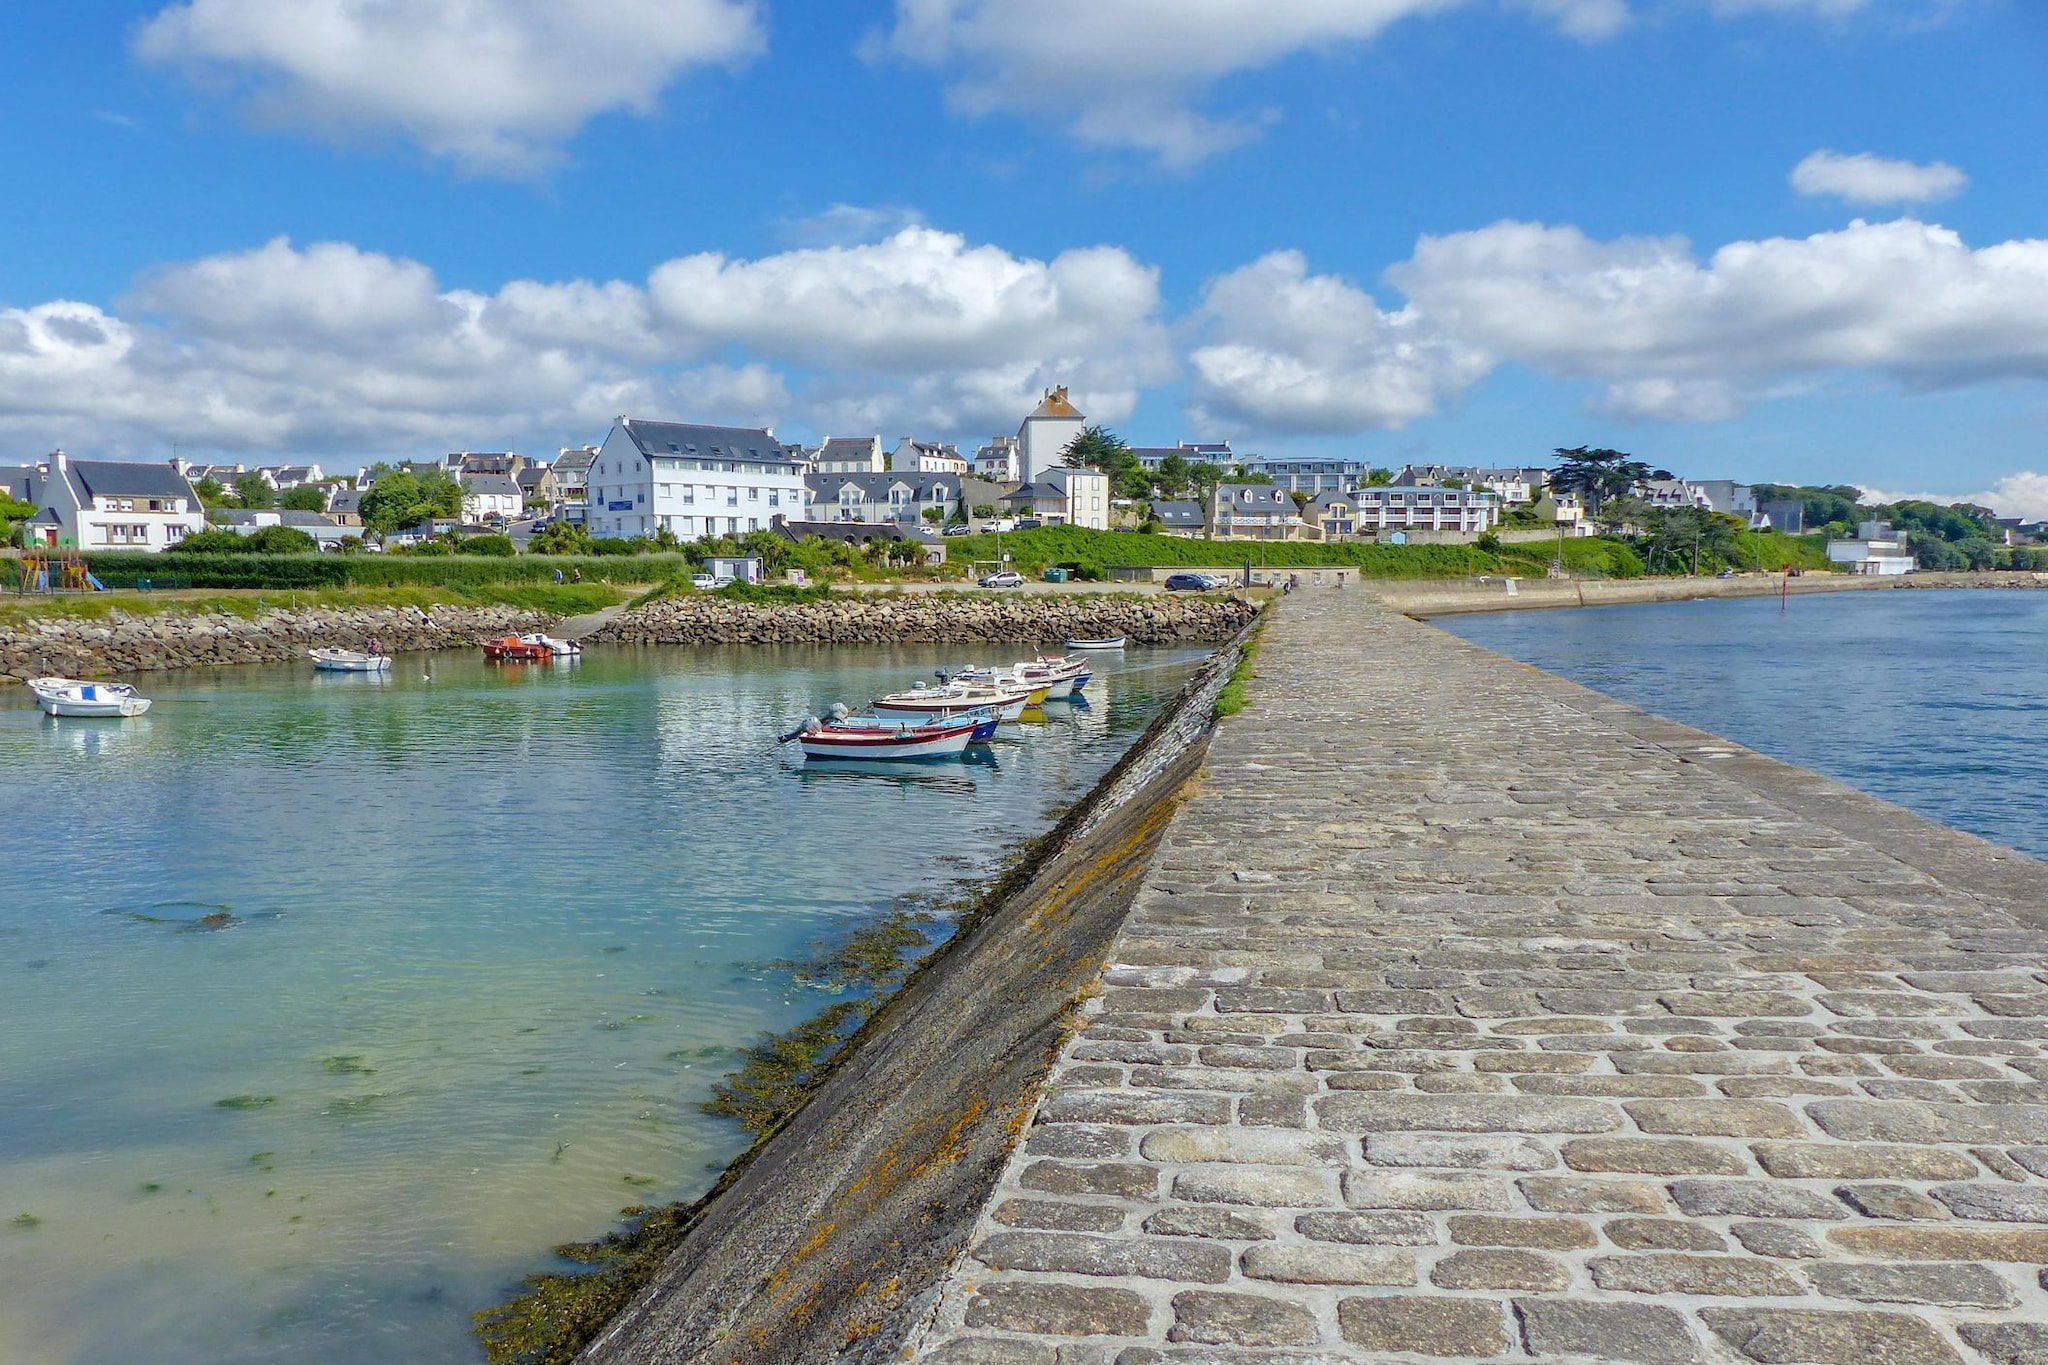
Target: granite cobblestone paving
(1467,1015)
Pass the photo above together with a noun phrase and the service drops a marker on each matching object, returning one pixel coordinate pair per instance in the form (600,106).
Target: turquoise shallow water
(1937,701)
(495,933)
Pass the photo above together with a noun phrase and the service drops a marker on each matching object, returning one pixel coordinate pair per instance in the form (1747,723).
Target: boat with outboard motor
(79,697)
(956,698)
(1056,676)
(557,648)
(1105,642)
(874,737)
(330,660)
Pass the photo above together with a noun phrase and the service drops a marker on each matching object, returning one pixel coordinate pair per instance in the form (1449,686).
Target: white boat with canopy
(329,660)
(953,698)
(78,697)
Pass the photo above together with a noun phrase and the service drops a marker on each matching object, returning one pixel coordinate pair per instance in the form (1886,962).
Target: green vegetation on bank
(241,570)
(1231,700)
(567,599)
(1959,536)
(1094,553)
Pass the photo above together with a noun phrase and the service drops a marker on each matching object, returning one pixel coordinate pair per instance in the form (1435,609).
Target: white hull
(563,649)
(348,661)
(1109,642)
(938,701)
(72,697)
(920,741)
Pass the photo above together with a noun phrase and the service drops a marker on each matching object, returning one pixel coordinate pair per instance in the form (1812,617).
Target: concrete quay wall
(1437,597)
(1466,1014)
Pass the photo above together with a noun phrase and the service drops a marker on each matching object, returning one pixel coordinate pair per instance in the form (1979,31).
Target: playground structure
(46,570)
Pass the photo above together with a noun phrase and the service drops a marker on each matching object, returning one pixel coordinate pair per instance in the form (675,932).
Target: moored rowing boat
(909,739)
(78,697)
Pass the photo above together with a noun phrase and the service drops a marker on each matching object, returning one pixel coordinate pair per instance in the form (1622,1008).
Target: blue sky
(1467,230)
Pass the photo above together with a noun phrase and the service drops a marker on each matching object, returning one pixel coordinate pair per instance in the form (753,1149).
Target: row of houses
(1270,511)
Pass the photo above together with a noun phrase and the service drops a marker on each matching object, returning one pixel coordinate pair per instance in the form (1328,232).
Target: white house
(692,481)
(925,457)
(1000,461)
(1424,508)
(572,473)
(1070,497)
(491,495)
(1309,476)
(1257,511)
(895,497)
(1046,433)
(327,533)
(850,455)
(1674,493)
(1877,550)
(110,505)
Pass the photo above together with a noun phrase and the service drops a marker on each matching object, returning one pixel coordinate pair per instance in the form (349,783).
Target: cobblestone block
(1614,1087)
(1716,1118)
(1879,1121)
(1219,1319)
(1806,1336)
(1736,1004)
(1561,1194)
(1555,1234)
(1956,1286)
(1662,1234)
(1781,1240)
(1463,1114)
(1266,1188)
(1278,1147)
(1680,1274)
(1499,1269)
(1406,1189)
(1477,1152)
(2008,1343)
(1424,1325)
(1049,1213)
(1125,1179)
(1752,1199)
(2001,1203)
(1329,1264)
(1651,1156)
(1872,1161)
(1208,1221)
(1060,1310)
(1097,1106)
(1078,1140)
(1921,1242)
(1369,1227)
(1152,1258)
(993,1351)
(1884,1199)
(1634,1332)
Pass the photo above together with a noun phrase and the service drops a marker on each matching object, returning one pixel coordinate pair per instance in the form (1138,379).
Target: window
(732,497)
(753,523)
(689,495)
(775,497)
(753,495)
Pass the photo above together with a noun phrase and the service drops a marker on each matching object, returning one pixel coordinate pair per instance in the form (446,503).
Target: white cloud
(331,349)
(495,85)
(1135,74)
(1867,179)
(850,224)
(1675,336)
(1289,351)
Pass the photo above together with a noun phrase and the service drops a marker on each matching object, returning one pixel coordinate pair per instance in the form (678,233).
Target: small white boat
(953,698)
(1048,679)
(329,660)
(557,648)
(76,697)
(1106,642)
(910,739)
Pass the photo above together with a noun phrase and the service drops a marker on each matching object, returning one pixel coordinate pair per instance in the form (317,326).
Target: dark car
(1189,582)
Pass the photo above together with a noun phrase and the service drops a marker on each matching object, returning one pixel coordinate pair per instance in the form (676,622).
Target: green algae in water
(152,1188)
(25,1221)
(351,1105)
(638,1180)
(266,1161)
(348,1065)
(245,1102)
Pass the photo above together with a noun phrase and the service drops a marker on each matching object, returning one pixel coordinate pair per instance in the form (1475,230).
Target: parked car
(1190,582)
(1029,523)
(703,582)
(958,529)
(1008,578)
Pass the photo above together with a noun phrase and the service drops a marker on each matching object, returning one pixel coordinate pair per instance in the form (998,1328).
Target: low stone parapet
(934,618)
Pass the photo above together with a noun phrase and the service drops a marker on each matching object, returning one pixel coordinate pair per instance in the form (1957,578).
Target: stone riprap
(122,642)
(933,618)
(1466,1014)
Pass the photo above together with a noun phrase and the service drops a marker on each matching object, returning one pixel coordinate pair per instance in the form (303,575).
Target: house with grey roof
(327,533)
(1257,511)
(850,455)
(692,480)
(1178,518)
(926,457)
(111,505)
(894,496)
(485,496)
(1064,495)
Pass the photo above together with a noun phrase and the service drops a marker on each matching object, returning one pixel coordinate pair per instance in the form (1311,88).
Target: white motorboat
(1050,679)
(330,660)
(1105,642)
(953,698)
(944,738)
(76,697)
(557,648)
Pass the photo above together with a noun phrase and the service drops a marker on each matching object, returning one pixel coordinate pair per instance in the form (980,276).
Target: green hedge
(1093,553)
(119,570)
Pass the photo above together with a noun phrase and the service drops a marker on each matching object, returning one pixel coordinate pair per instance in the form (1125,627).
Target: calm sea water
(495,932)
(1937,701)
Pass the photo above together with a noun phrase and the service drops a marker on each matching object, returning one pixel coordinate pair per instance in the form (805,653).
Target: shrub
(239,569)
(496,546)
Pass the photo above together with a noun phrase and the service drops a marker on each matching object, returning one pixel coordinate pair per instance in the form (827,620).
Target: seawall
(829,1242)
(124,643)
(1436,597)
(938,618)
(1464,1013)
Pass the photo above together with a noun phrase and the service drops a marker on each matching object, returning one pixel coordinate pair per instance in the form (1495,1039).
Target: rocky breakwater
(121,642)
(933,618)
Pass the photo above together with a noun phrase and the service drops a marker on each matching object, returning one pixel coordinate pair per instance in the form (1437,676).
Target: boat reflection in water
(898,772)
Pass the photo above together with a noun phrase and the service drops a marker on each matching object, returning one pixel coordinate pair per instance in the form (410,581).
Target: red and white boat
(945,738)
(949,699)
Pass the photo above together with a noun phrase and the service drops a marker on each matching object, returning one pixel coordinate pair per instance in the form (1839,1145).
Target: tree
(407,497)
(212,492)
(1172,475)
(253,490)
(307,497)
(1378,478)
(1100,448)
(1597,475)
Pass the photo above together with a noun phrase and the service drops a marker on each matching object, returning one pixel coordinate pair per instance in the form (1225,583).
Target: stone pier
(1465,1014)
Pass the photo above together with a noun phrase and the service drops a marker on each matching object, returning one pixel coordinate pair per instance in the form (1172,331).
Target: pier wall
(1467,1014)
(1438,597)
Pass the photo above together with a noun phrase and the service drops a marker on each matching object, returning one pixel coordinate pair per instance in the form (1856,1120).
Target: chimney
(58,461)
